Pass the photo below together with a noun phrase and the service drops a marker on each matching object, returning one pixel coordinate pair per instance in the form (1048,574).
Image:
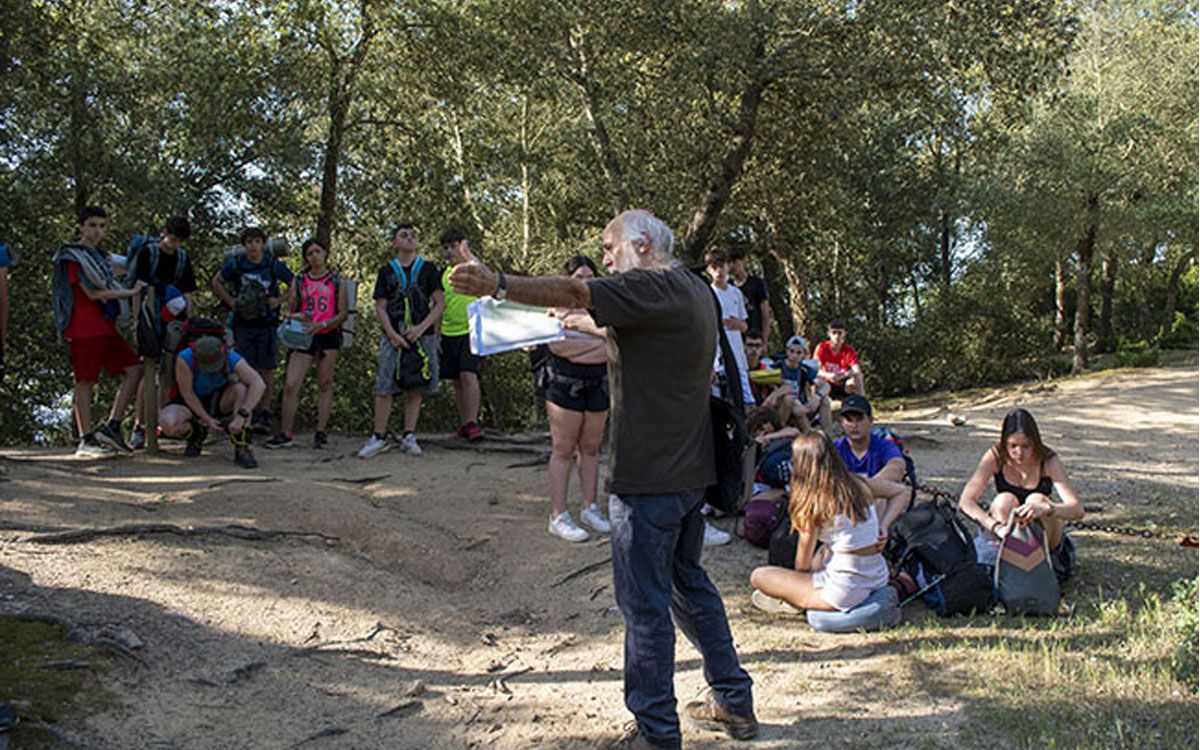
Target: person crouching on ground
(205,390)
(577,409)
(319,299)
(833,506)
(1025,471)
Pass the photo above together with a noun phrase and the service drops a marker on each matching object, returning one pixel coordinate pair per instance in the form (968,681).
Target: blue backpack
(144,243)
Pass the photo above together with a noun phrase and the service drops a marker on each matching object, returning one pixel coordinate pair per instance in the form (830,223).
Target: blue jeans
(656,546)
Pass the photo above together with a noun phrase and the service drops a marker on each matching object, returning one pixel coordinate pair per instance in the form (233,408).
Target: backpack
(539,365)
(932,545)
(734,451)
(1023,575)
(910,468)
(760,518)
(412,305)
(140,243)
(250,303)
(194,329)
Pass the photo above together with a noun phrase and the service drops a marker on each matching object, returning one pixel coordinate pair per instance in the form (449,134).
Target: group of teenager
(642,357)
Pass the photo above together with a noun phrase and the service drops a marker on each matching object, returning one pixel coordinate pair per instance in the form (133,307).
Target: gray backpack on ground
(1023,575)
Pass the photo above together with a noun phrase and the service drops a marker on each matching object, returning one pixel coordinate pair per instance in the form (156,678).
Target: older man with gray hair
(655,312)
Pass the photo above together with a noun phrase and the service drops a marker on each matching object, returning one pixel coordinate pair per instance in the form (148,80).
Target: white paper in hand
(503,326)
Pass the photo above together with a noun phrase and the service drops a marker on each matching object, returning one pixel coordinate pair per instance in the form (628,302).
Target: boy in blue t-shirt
(206,389)
(875,458)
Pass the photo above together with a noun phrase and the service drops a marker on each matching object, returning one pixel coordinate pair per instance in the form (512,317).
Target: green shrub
(1136,353)
(1185,663)
(1184,334)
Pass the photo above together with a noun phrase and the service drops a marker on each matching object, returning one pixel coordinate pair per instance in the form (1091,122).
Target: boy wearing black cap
(873,457)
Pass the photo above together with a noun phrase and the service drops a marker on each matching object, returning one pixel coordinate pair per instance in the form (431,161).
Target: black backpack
(932,545)
(733,448)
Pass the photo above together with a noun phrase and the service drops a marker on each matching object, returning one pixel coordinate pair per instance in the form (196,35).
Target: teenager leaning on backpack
(408,304)
(319,300)
(249,285)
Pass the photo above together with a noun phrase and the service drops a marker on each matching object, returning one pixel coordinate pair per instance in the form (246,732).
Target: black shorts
(211,402)
(257,346)
(577,387)
(321,343)
(456,357)
(838,390)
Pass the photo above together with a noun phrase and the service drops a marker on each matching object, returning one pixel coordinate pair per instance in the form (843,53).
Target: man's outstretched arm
(477,280)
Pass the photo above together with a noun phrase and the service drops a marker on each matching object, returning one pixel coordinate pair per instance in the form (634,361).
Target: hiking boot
(714,537)
(90,447)
(471,431)
(195,440)
(375,445)
(631,739)
(320,440)
(706,713)
(110,435)
(592,516)
(260,423)
(279,441)
(563,527)
(244,457)
(137,438)
(773,605)
(408,444)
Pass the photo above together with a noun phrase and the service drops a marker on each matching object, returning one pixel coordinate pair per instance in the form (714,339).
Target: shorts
(456,357)
(257,346)
(211,401)
(329,341)
(837,390)
(389,357)
(577,387)
(847,579)
(110,353)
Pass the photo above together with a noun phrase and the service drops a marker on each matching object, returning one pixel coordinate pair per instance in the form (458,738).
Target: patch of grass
(1120,674)
(43,696)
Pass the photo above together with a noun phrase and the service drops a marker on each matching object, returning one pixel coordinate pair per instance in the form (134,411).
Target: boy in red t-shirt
(94,341)
(839,363)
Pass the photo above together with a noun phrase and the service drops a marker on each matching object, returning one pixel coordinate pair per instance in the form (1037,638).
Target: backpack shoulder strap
(180,262)
(399,271)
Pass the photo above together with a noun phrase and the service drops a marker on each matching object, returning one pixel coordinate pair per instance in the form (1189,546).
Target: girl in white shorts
(833,506)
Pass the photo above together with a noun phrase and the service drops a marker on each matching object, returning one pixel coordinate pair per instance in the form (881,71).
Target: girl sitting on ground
(833,506)
(1024,472)
(318,297)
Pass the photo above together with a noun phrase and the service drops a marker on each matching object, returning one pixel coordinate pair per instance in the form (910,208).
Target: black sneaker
(279,441)
(260,423)
(137,438)
(195,440)
(110,435)
(244,457)
(320,440)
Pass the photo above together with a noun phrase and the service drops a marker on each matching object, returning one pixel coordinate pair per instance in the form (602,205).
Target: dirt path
(433,610)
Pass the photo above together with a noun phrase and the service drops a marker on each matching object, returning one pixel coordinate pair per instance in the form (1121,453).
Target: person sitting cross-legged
(874,458)
(204,391)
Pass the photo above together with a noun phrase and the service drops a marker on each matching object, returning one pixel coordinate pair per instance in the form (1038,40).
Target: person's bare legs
(175,420)
(383,410)
(125,392)
(268,376)
(565,430)
(792,586)
(325,389)
(466,396)
(1053,525)
(297,369)
(590,436)
(1002,507)
(83,406)
(412,410)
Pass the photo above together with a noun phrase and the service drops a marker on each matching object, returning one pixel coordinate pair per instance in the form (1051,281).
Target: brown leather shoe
(706,713)
(630,739)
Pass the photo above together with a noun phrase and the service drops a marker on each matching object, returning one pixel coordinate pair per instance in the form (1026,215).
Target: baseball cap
(209,354)
(797,342)
(856,403)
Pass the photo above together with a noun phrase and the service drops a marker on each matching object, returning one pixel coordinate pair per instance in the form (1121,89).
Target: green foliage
(1136,353)
(1184,334)
(1183,622)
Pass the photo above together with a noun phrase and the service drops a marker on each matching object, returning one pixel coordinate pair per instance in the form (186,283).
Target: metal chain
(1080,525)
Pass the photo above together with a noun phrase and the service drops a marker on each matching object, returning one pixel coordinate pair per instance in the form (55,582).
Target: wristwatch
(501,287)
(243,413)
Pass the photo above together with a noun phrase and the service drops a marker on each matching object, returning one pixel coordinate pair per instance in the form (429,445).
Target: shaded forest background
(985,191)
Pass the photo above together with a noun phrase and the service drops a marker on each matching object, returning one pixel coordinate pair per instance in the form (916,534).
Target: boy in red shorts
(86,296)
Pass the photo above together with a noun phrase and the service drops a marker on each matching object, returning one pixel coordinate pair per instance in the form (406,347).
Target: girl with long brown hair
(833,506)
(1024,472)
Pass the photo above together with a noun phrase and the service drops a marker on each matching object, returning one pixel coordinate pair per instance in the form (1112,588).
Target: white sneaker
(563,526)
(592,516)
(408,444)
(768,603)
(89,447)
(714,537)
(373,447)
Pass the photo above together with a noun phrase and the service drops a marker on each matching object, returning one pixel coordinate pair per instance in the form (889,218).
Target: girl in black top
(1024,471)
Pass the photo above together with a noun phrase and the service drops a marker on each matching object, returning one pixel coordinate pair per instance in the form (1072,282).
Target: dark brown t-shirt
(661,340)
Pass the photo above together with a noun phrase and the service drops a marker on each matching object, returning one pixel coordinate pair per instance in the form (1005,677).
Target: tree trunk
(794,318)
(1168,318)
(945,254)
(610,163)
(916,291)
(338,106)
(1109,267)
(781,308)
(1061,287)
(712,203)
(1084,250)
